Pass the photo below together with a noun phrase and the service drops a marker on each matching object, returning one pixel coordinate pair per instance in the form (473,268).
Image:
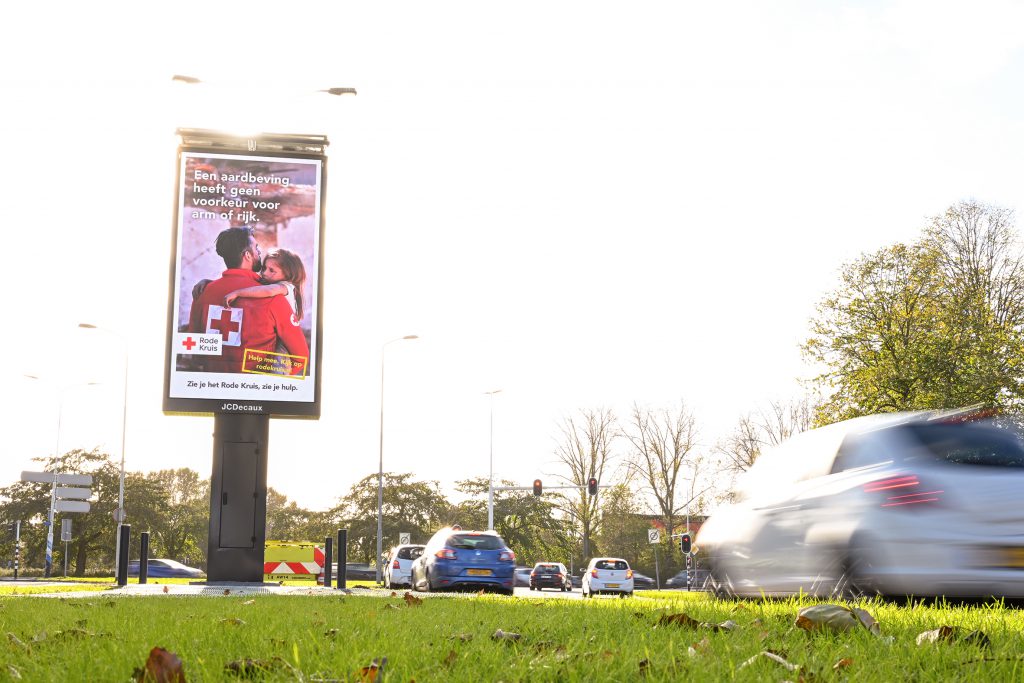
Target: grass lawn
(332,637)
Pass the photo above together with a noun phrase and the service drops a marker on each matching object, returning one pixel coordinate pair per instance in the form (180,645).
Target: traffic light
(684,543)
(592,486)
(538,488)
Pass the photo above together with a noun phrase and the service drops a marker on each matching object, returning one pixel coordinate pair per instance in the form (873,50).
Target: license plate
(478,572)
(612,585)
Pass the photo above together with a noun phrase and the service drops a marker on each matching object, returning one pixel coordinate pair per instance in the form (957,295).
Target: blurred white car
(923,504)
(398,569)
(608,575)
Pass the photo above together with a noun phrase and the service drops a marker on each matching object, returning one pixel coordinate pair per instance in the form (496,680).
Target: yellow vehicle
(288,560)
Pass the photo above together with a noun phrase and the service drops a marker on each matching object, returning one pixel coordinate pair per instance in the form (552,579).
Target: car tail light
(507,556)
(396,565)
(902,490)
(445,554)
(593,573)
(629,573)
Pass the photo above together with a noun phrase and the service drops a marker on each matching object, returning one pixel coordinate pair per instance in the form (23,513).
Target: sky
(584,205)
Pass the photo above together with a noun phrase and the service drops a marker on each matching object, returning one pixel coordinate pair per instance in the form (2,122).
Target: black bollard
(143,556)
(328,558)
(342,556)
(122,565)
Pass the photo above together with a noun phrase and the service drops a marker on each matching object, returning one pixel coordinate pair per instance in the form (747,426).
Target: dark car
(457,559)
(165,569)
(550,575)
(642,581)
(697,578)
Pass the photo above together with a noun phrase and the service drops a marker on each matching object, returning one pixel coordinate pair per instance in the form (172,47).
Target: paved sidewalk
(214,590)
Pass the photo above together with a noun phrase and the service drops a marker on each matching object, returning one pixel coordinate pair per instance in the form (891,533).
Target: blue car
(473,560)
(165,569)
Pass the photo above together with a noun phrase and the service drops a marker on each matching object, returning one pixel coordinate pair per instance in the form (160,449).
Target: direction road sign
(403,539)
(65,529)
(653,536)
(48,478)
(79,494)
(119,515)
(71,506)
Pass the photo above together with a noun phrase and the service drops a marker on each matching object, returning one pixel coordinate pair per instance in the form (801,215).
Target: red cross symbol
(225,325)
(188,343)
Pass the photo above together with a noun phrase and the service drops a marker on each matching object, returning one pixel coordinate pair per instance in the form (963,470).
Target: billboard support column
(238,498)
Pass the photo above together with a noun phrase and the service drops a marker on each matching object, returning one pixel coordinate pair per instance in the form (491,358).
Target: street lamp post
(380,463)
(490,485)
(124,422)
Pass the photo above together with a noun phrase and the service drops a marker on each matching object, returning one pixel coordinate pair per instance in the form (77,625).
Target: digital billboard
(243,333)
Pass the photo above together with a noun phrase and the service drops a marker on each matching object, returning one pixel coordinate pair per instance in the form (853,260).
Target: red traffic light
(685,543)
(538,488)
(592,486)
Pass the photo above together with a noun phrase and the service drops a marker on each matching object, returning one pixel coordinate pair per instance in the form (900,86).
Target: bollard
(328,558)
(143,556)
(342,556)
(122,564)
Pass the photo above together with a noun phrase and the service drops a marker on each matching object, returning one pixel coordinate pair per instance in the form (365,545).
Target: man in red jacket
(253,325)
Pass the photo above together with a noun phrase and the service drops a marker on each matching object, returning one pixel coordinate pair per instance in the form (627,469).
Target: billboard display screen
(244,327)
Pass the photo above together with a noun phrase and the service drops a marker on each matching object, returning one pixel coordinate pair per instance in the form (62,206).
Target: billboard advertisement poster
(243,320)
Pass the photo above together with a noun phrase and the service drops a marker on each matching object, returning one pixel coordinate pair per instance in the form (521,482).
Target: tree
(624,527)
(585,448)
(94,531)
(934,324)
(663,454)
(286,521)
(526,522)
(182,526)
(763,428)
(416,507)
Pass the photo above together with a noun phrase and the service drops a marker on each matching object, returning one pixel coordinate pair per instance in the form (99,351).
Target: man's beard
(257,264)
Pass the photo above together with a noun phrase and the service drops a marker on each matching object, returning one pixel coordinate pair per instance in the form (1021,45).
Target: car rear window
(964,444)
(611,564)
(969,445)
(476,542)
(409,553)
(546,569)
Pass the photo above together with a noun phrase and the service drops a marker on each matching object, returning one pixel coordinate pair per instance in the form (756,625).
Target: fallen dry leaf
(394,594)
(843,663)
(249,602)
(256,668)
(331,633)
(837,618)
(15,640)
(13,672)
(374,673)
(644,664)
(687,621)
(952,634)
(450,659)
(680,619)
(480,592)
(507,636)
(233,621)
(464,637)
(166,589)
(411,600)
(161,667)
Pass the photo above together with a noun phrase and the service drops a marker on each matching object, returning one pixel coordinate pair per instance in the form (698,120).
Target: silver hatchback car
(923,504)
(398,570)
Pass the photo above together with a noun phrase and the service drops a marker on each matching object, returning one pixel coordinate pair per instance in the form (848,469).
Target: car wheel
(850,584)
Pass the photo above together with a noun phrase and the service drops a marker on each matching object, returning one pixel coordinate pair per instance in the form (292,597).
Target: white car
(608,575)
(924,504)
(398,569)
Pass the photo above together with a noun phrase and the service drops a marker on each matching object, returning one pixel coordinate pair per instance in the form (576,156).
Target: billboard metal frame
(276,145)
